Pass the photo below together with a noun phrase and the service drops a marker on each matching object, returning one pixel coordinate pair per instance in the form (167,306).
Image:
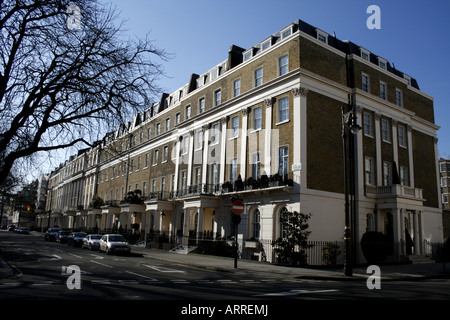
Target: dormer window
(266,44)
(382,63)
(248,54)
(322,36)
(407,78)
(365,54)
(286,32)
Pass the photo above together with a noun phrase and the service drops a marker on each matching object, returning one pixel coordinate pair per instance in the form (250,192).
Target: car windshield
(64,232)
(96,237)
(116,238)
(79,235)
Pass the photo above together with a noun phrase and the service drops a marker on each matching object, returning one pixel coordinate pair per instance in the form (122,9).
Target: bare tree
(67,75)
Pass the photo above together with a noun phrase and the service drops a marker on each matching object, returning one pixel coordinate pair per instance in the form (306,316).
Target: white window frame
(256,165)
(199,140)
(387,173)
(257,119)
(369,167)
(283,114)
(367,85)
(368,128)
(283,160)
(385,131)
(445,198)
(407,78)
(283,68)
(382,63)
(187,112)
(398,97)
(167,124)
(165,154)
(217,97)
(259,80)
(383,90)
(404,176)
(236,89)
(322,36)
(401,135)
(234,128)
(247,55)
(233,170)
(364,54)
(287,32)
(201,105)
(155,157)
(215,133)
(266,44)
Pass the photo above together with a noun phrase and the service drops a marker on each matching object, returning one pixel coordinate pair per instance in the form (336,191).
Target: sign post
(238,209)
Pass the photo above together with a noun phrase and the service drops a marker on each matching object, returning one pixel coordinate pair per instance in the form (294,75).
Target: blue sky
(414,35)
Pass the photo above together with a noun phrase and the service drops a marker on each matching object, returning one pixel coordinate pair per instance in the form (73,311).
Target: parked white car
(114,243)
(92,241)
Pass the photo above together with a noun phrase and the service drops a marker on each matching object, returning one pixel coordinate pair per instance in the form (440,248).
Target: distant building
(444,170)
(265,126)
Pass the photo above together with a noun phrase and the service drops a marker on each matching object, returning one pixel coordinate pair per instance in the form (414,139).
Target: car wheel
(90,247)
(108,252)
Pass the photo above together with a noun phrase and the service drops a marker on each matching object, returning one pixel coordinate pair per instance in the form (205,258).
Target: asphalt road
(41,274)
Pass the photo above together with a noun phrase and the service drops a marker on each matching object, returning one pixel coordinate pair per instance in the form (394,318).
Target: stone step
(415,259)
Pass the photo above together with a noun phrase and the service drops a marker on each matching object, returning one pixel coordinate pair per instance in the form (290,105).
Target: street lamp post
(349,124)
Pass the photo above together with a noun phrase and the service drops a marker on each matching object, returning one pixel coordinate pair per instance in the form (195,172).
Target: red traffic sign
(237,207)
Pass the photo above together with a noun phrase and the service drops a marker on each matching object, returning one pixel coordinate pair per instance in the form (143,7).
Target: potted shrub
(375,246)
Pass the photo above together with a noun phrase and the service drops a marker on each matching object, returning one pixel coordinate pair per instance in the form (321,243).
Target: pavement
(406,272)
(397,272)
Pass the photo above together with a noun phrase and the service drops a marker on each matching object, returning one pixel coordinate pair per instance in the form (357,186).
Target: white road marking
(102,264)
(163,269)
(100,281)
(294,293)
(141,275)
(76,256)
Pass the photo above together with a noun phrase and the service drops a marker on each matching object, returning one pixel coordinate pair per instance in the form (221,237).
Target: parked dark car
(92,241)
(51,234)
(22,230)
(76,239)
(62,236)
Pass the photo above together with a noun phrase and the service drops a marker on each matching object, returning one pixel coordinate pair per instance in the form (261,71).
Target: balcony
(394,191)
(249,185)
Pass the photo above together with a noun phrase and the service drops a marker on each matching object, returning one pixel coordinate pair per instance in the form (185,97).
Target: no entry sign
(237,207)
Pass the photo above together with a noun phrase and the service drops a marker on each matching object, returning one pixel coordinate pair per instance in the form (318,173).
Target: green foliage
(291,247)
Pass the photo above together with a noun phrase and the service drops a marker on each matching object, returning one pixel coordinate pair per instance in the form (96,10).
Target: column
(395,142)
(190,155)
(177,163)
(268,137)
(300,131)
(199,223)
(417,237)
(206,129)
(243,160)
(379,160)
(410,156)
(438,177)
(185,226)
(223,146)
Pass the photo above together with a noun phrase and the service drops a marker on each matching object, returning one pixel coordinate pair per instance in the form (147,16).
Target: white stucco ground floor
(396,212)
